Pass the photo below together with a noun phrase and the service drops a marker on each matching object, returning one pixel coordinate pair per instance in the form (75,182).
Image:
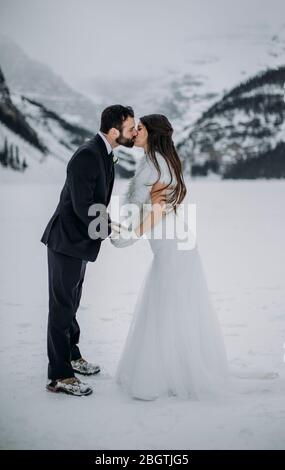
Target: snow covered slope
(38,82)
(58,135)
(31,135)
(248,122)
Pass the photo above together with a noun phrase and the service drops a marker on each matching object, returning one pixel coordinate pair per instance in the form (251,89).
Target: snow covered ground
(241,233)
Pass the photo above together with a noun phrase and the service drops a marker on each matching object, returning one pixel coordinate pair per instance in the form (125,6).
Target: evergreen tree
(6,148)
(4,154)
(17,160)
(10,157)
(11,161)
(5,157)
(24,165)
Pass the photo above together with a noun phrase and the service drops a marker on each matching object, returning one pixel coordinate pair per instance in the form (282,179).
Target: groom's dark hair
(114,116)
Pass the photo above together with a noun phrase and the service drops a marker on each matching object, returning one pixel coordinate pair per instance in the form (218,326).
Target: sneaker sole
(62,390)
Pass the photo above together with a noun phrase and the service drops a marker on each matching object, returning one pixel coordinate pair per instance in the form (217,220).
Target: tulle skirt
(174,345)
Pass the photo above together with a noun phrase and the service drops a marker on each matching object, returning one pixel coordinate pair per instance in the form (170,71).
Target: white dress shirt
(108,145)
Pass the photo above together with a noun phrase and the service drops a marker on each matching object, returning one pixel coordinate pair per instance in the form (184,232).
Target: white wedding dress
(174,345)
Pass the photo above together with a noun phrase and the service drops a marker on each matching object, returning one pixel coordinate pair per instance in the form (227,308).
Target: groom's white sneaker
(81,366)
(71,386)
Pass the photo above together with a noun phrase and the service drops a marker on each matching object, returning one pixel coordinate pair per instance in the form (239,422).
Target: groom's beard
(124,141)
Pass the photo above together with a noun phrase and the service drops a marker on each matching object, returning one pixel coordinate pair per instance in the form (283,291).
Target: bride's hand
(115,226)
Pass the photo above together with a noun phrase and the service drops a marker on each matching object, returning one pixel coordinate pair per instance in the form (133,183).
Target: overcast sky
(82,38)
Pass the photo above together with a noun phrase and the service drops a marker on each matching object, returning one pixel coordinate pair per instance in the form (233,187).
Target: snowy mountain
(31,132)
(211,65)
(32,135)
(60,137)
(212,68)
(14,119)
(242,134)
(173,93)
(39,83)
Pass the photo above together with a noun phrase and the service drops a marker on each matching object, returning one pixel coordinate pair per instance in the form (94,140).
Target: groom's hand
(121,236)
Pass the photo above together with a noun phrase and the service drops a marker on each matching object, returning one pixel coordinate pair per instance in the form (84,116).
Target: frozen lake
(241,235)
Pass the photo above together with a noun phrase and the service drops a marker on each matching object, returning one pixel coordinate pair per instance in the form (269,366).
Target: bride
(174,345)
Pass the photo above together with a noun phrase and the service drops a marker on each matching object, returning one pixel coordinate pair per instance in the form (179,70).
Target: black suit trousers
(65,277)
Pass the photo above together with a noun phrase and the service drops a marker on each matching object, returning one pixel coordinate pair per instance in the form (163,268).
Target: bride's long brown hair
(160,140)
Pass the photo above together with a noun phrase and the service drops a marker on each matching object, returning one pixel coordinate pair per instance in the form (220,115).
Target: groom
(89,181)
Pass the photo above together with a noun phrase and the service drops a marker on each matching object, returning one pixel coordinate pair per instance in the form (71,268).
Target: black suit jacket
(89,180)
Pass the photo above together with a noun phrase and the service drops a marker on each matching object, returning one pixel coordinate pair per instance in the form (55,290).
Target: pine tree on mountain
(17,159)
(11,158)
(5,157)
(6,146)
(24,165)
(4,154)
